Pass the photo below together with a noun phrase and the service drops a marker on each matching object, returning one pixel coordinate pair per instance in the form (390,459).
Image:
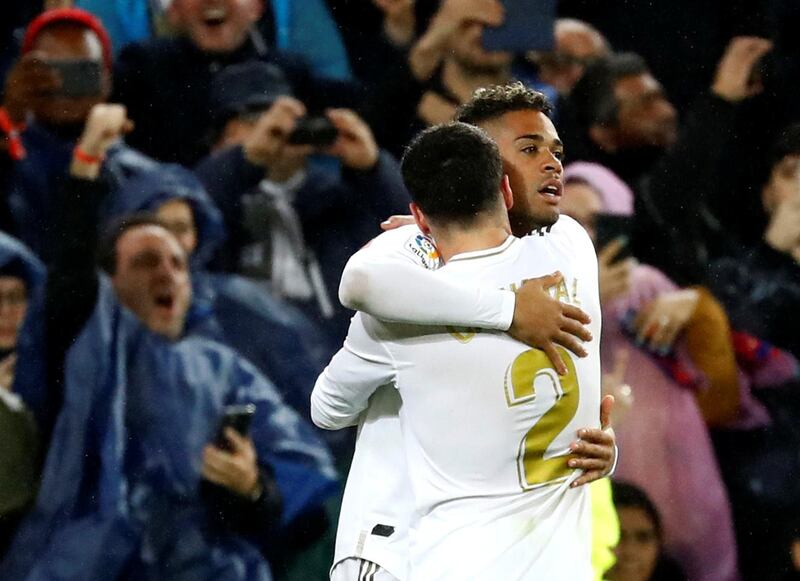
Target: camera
(318,131)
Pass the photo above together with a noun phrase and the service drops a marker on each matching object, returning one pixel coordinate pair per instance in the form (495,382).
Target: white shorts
(355,569)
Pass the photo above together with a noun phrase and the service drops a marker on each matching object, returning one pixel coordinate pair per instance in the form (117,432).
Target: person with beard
(43,121)
(619,116)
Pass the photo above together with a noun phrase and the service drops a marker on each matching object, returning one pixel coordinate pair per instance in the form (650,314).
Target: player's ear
(505,189)
(420,219)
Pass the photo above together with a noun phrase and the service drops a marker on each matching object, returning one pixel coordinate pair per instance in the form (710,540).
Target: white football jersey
(486,423)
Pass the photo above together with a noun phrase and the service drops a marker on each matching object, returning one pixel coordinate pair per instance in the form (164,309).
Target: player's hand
(544,322)
(662,320)
(595,450)
(354,145)
(734,71)
(28,83)
(235,470)
(396,221)
(614,278)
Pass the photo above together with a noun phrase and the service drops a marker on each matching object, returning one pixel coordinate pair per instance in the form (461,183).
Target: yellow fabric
(605,527)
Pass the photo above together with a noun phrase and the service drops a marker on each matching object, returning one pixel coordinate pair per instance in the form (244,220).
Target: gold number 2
(533,468)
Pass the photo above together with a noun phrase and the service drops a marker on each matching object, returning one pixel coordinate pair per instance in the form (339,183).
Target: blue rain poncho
(120,488)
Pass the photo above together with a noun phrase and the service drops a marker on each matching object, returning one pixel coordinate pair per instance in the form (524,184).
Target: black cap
(246,87)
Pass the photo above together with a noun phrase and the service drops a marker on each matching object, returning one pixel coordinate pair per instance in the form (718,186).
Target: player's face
(532,154)
(638,548)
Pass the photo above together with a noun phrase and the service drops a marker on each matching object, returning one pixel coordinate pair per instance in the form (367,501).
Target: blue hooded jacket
(271,334)
(120,490)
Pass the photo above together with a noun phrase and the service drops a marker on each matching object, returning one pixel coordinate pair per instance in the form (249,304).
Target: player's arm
(343,389)
(390,282)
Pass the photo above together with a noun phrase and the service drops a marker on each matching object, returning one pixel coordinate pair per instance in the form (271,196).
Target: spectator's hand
(29,82)
(398,20)
(783,231)
(105,125)
(660,322)
(355,145)
(427,53)
(732,81)
(235,470)
(614,278)
(267,146)
(7,367)
(594,450)
(544,322)
(396,221)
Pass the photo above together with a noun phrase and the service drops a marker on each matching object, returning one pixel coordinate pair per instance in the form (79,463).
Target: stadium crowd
(171,248)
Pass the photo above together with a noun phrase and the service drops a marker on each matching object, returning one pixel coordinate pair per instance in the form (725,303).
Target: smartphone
(79,78)
(528,25)
(608,227)
(238,417)
(318,131)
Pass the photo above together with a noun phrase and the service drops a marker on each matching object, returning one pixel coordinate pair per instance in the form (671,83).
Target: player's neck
(456,240)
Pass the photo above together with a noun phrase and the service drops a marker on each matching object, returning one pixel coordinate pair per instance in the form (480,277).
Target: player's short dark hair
(592,100)
(491,102)
(627,495)
(107,248)
(453,172)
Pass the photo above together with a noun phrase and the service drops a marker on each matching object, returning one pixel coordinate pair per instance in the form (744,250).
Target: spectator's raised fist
(106,124)
(355,145)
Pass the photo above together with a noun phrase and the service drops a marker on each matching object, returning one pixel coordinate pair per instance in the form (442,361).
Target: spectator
(21,274)
(760,287)
(644,315)
(125,20)
(39,159)
(577,44)
(122,479)
(274,336)
(640,553)
(622,119)
(293,225)
(166,82)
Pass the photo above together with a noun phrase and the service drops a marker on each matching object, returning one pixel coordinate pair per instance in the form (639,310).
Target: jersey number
(533,468)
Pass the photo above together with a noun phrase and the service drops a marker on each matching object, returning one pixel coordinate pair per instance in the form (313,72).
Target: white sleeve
(343,389)
(393,279)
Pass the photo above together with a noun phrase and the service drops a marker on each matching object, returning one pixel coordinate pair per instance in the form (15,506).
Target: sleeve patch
(423,251)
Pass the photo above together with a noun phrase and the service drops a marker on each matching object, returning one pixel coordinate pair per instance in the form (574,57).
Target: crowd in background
(170,250)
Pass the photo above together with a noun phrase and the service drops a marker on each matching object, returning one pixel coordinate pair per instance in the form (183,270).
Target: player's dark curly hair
(496,100)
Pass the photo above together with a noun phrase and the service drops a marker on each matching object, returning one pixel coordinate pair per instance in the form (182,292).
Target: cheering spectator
(135,484)
(64,71)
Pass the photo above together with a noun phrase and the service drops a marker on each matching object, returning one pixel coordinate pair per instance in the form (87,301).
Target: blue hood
(149,189)
(32,269)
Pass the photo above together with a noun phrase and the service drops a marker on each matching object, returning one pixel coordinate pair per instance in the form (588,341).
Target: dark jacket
(339,213)
(760,289)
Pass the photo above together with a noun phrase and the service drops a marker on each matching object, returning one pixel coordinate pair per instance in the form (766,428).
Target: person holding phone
(295,220)
(64,71)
